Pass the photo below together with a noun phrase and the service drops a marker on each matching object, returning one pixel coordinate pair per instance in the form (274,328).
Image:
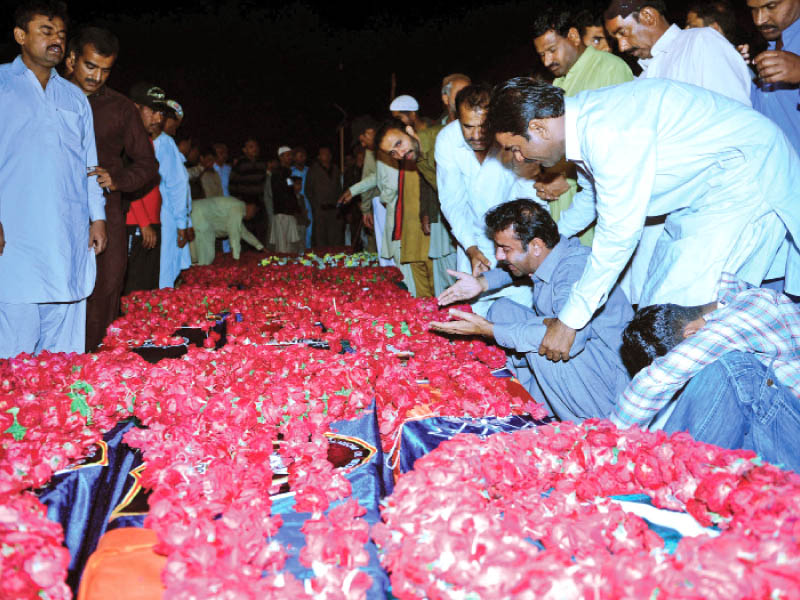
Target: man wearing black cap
(118,130)
(144,215)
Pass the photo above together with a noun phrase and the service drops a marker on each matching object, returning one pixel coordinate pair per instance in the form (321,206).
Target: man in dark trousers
(118,131)
(323,187)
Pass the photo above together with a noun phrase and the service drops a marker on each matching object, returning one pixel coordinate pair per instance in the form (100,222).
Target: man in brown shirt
(126,164)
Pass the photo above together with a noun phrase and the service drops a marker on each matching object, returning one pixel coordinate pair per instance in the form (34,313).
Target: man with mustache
(527,244)
(701,57)
(118,131)
(404,144)
(577,67)
(52,216)
(472,179)
(776,92)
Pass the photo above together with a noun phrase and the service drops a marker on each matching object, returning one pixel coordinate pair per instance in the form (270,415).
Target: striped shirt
(762,322)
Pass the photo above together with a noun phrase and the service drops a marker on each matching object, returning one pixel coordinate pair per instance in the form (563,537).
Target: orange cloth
(124,567)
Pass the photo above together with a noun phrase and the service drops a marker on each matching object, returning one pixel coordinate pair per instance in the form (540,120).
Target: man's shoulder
(702,37)
(606,60)
(449,133)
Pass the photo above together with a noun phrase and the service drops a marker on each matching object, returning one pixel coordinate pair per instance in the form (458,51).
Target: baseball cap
(283,149)
(404,103)
(149,95)
(176,108)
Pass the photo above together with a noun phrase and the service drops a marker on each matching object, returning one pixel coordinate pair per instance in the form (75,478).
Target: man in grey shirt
(527,243)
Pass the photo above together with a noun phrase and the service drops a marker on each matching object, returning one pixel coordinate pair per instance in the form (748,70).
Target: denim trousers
(737,402)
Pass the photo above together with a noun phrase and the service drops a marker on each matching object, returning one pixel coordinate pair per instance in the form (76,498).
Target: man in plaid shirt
(741,358)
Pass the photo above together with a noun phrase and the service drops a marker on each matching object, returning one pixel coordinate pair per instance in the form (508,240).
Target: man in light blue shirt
(725,176)
(776,91)
(52,215)
(176,206)
(528,244)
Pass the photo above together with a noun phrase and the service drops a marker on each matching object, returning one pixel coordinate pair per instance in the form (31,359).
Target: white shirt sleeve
(623,191)
(582,211)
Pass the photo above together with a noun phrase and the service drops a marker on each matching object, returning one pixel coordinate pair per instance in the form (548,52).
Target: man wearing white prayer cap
(405,108)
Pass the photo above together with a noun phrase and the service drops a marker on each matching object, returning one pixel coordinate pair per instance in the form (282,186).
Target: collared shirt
(552,283)
(781,102)
(593,70)
(702,57)
(755,320)
(301,173)
(653,147)
(468,189)
(46,200)
(225,176)
(118,130)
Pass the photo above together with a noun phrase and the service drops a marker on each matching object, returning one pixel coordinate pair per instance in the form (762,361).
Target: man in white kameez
(472,180)
(52,216)
(658,147)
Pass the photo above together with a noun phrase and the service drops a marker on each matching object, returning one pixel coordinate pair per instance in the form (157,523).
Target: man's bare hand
(104,179)
(345,198)
(369,220)
(480,264)
(190,234)
(250,211)
(553,189)
(557,341)
(426,225)
(469,324)
(778,66)
(466,288)
(182,238)
(97,236)
(149,237)
(2,240)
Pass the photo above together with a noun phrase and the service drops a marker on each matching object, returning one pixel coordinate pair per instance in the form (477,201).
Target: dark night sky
(275,70)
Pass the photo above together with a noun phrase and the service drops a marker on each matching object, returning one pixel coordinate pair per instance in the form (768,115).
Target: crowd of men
(555,209)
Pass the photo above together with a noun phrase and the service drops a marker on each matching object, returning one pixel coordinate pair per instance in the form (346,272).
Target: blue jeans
(737,402)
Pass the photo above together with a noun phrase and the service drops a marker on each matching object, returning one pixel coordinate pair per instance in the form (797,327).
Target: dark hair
(208,151)
(551,20)
(473,96)
(586,18)
(385,127)
(104,42)
(626,8)
(529,219)
(520,100)
(51,9)
(654,331)
(719,12)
